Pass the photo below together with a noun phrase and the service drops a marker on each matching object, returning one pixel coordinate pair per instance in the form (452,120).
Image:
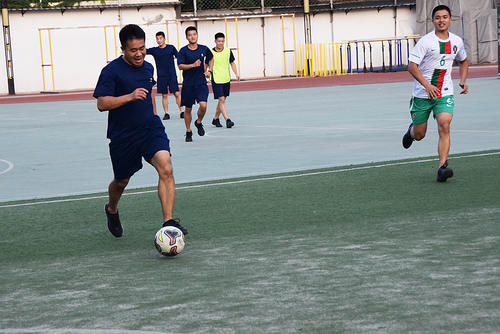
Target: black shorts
(193,94)
(166,84)
(126,155)
(221,90)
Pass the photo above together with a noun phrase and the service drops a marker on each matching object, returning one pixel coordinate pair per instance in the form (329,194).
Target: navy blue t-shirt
(194,76)
(119,78)
(164,59)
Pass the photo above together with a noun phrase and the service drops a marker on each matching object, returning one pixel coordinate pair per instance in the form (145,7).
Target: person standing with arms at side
(134,128)
(431,64)
(221,78)
(192,61)
(167,77)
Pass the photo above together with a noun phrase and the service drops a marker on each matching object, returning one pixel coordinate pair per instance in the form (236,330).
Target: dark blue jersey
(119,78)
(194,76)
(164,59)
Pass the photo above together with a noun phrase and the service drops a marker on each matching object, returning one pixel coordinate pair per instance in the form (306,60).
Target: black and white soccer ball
(169,241)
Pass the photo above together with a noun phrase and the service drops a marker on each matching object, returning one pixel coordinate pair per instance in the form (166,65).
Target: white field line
(257,179)
(10,165)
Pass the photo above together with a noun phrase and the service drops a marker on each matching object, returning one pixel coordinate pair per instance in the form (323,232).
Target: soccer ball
(169,241)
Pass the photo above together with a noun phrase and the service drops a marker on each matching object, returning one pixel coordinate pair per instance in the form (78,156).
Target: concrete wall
(79,53)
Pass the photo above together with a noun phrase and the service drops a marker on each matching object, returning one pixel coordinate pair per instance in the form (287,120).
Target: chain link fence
(293,5)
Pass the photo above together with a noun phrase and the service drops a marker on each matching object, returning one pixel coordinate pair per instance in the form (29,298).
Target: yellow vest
(220,72)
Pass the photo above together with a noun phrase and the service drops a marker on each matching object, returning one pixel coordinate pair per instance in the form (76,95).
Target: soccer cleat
(114,225)
(199,126)
(407,139)
(189,136)
(444,172)
(229,123)
(176,223)
(182,114)
(216,122)
(167,116)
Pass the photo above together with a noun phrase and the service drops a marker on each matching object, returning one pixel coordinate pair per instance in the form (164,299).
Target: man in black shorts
(135,130)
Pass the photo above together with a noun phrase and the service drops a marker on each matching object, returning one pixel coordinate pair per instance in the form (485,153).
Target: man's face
(442,20)
(192,36)
(134,52)
(160,40)
(219,43)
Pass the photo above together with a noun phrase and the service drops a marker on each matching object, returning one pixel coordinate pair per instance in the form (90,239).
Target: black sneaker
(199,126)
(407,139)
(167,116)
(216,122)
(189,136)
(176,223)
(182,114)
(114,225)
(229,123)
(444,172)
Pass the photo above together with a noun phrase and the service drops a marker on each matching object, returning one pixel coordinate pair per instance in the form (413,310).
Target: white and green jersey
(434,58)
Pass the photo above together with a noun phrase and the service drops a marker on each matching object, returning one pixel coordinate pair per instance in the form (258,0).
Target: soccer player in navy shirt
(135,130)
(167,77)
(193,60)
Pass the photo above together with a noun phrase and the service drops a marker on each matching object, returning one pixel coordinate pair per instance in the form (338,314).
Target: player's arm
(235,71)
(154,103)
(112,102)
(464,71)
(184,67)
(432,91)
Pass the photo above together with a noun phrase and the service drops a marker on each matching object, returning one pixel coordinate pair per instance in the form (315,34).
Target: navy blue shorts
(221,90)
(193,94)
(126,155)
(166,84)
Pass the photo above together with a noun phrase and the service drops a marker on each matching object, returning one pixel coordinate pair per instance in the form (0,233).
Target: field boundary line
(255,179)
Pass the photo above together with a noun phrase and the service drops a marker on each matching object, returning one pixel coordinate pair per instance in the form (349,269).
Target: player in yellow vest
(221,78)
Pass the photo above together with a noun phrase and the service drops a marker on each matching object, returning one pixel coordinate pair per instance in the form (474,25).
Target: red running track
(269,84)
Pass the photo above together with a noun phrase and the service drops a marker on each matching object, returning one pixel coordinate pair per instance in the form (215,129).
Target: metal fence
(291,5)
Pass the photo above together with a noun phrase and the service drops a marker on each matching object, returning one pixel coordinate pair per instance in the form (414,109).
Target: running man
(193,61)
(221,78)
(135,130)
(167,77)
(431,64)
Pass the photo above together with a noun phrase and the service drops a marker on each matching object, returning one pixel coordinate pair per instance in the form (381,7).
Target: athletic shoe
(229,123)
(176,223)
(167,116)
(444,172)
(189,136)
(216,122)
(114,225)
(407,139)
(182,114)
(199,126)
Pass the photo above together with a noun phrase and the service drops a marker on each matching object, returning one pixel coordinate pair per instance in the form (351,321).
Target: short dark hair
(129,32)
(190,28)
(160,33)
(441,7)
(219,35)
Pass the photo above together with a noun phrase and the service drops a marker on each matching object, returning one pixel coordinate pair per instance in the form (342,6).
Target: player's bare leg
(444,120)
(201,113)
(178,100)
(166,185)
(188,117)
(166,188)
(164,101)
(115,191)
(418,131)
(221,108)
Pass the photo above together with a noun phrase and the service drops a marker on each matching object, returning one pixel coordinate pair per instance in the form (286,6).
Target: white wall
(79,54)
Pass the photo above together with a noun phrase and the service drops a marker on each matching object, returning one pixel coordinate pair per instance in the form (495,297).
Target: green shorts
(420,109)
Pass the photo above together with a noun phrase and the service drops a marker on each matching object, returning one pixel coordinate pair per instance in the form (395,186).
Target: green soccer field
(377,248)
